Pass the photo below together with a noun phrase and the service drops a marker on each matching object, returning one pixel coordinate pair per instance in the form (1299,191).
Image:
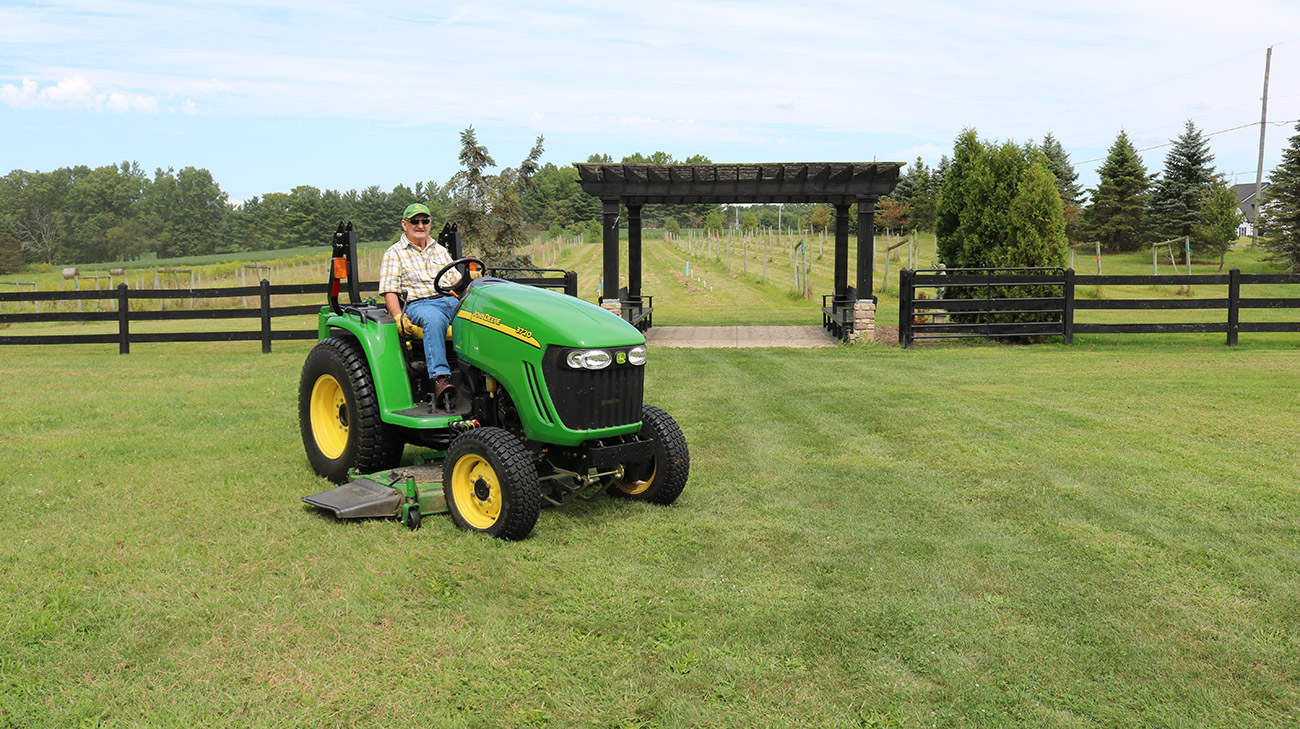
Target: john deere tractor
(548,406)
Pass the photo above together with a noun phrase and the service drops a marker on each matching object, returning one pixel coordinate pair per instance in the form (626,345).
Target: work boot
(444,393)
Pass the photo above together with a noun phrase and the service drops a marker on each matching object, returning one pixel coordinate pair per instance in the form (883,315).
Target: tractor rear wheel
(338,413)
(490,483)
(662,481)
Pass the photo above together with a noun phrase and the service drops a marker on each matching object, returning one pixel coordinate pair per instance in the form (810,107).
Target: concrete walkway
(738,337)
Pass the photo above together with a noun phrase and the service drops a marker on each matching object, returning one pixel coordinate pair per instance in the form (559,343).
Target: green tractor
(548,406)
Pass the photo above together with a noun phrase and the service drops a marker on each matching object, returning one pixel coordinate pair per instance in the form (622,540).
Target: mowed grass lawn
(1047,536)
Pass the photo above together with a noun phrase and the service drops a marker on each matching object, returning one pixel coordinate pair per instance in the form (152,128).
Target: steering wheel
(462,266)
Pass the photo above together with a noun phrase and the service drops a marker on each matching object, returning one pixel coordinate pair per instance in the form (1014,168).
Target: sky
(271,94)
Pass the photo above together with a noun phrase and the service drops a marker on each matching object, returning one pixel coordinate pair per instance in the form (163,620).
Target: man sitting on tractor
(408,270)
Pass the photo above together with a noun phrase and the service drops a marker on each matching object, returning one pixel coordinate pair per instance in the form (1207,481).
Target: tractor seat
(409,329)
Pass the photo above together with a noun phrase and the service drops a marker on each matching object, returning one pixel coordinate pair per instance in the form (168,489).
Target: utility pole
(1263,124)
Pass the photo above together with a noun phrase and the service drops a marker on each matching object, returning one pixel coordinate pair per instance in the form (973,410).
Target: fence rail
(125,315)
(931,318)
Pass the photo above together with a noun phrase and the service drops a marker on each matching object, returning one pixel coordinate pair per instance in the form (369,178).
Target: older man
(408,269)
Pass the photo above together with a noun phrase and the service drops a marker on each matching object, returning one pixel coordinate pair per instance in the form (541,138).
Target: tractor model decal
(492,322)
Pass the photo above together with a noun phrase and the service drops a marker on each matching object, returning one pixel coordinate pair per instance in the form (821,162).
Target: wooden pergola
(840,184)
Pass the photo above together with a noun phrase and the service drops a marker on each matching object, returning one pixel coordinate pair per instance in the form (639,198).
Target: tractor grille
(589,399)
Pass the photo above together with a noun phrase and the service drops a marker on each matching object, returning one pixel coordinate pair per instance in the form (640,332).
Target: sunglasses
(419,221)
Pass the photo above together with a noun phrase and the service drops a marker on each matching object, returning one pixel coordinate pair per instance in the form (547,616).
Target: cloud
(74,94)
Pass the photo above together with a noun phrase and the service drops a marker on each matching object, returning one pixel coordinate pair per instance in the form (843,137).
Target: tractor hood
(549,317)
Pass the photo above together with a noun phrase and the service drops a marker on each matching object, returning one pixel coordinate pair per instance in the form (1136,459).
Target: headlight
(636,355)
(591,359)
(596,359)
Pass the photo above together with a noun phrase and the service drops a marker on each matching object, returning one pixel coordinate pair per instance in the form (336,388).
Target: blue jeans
(434,316)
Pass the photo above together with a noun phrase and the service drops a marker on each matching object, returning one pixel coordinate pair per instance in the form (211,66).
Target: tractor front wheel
(490,484)
(662,480)
(338,413)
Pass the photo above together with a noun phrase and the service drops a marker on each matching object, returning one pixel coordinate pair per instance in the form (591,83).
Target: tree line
(120,213)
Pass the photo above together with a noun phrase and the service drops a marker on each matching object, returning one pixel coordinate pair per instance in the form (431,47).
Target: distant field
(725,287)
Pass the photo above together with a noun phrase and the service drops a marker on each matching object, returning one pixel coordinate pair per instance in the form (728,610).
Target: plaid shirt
(409,271)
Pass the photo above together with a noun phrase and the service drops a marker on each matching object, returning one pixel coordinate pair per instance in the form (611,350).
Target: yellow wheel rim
(329,417)
(476,491)
(634,488)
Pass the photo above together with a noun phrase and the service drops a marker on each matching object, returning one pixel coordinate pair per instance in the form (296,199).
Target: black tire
(490,483)
(413,518)
(338,413)
(667,476)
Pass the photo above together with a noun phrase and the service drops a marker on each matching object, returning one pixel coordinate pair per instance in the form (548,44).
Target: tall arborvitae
(1280,208)
(1115,217)
(1179,195)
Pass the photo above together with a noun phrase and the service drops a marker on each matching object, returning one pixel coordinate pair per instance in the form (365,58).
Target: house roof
(1246,198)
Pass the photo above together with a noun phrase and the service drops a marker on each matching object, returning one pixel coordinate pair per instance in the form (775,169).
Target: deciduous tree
(1220,217)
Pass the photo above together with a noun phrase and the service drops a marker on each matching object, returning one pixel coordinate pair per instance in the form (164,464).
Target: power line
(1211,134)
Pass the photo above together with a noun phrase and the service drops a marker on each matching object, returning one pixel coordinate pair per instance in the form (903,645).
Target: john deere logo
(621,358)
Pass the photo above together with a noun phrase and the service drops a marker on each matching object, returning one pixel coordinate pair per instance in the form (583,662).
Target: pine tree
(1115,217)
(1180,193)
(11,253)
(1067,183)
(1058,162)
(1280,207)
(488,207)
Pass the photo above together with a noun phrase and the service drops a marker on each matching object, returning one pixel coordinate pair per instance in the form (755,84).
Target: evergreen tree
(1177,198)
(488,208)
(918,187)
(1116,215)
(1280,207)
(1058,162)
(11,253)
(999,208)
(1067,183)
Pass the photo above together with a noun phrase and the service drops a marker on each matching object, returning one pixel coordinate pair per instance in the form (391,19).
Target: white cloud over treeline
(74,94)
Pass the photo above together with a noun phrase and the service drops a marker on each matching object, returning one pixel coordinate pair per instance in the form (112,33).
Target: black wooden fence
(1001,313)
(125,313)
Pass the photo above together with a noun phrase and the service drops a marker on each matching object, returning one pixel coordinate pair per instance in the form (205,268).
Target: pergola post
(866,247)
(634,253)
(841,253)
(609,294)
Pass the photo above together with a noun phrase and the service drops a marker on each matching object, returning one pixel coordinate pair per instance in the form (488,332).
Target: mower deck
(389,494)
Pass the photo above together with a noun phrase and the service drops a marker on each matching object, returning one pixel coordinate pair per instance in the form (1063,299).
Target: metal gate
(985,302)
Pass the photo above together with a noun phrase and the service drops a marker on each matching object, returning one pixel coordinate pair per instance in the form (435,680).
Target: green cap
(414,208)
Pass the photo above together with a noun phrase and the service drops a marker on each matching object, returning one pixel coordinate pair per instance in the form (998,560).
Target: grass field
(954,536)
(1096,535)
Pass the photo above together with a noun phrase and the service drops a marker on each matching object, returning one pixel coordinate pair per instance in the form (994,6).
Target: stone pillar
(612,305)
(864,321)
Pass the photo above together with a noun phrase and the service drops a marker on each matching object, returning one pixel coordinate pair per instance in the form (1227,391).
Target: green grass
(952,536)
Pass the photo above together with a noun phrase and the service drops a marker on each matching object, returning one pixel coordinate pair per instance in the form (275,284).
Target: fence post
(1068,315)
(123,325)
(904,307)
(266,316)
(1234,305)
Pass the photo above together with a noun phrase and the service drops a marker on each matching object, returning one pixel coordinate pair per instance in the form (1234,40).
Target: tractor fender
(383,350)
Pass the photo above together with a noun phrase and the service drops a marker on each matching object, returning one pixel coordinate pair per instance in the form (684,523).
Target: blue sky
(276,93)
